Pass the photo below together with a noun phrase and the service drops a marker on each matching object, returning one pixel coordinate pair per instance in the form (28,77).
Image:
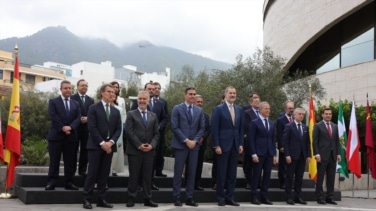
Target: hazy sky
(218,29)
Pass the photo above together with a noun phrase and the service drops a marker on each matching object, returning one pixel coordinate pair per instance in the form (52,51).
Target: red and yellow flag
(312,166)
(1,143)
(369,142)
(13,135)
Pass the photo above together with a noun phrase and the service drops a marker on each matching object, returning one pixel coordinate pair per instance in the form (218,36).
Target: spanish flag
(13,135)
(312,166)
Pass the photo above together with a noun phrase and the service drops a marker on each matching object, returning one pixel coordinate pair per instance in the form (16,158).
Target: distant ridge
(57,44)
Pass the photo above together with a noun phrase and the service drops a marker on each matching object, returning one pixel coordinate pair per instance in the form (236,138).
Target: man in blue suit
(105,126)
(65,117)
(82,132)
(263,152)
(295,142)
(188,126)
(282,120)
(228,139)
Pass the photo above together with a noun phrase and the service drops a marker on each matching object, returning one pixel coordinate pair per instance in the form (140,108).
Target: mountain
(57,44)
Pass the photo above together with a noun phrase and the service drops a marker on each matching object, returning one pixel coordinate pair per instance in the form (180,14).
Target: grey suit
(328,148)
(137,134)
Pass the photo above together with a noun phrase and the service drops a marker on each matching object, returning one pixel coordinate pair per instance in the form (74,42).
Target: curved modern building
(334,39)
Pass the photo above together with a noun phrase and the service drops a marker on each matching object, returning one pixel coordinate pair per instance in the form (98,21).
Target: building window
(30,79)
(82,72)
(44,78)
(1,73)
(11,77)
(358,50)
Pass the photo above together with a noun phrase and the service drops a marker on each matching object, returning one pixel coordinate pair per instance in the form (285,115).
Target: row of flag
(12,153)
(349,145)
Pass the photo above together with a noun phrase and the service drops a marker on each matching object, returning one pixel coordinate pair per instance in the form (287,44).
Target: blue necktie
(300,129)
(190,114)
(266,125)
(144,117)
(66,107)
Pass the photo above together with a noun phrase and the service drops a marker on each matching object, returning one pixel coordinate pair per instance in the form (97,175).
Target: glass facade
(349,42)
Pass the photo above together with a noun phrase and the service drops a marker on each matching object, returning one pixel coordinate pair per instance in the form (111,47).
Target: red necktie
(290,119)
(329,130)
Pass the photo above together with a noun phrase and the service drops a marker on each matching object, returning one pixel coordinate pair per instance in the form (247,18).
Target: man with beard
(228,139)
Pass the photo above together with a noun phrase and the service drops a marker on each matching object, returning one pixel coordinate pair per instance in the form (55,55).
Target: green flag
(342,165)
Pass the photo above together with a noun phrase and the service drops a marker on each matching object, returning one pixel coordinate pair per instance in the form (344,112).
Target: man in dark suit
(142,132)
(228,139)
(250,113)
(297,151)
(263,152)
(326,149)
(159,160)
(284,119)
(157,107)
(188,125)
(104,123)
(62,136)
(82,132)
(203,142)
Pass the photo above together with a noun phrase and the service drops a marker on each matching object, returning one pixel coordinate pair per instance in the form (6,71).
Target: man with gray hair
(295,142)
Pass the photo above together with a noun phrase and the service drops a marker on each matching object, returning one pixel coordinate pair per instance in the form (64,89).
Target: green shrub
(35,151)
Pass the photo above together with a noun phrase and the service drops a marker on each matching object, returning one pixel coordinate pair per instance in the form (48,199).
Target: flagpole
(367,166)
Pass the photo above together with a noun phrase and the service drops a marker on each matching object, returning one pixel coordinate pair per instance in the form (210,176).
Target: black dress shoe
(150,203)
(290,201)
(331,201)
(160,174)
(199,188)
(87,205)
(130,202)
(320,201)
(178,203)
(190,202)
(300,201)
(221,203)
(103,203)
(71,187)
(154,187)
(255,201)
(266,201)
(50,187)
(232,203)
(248,186)
(114,174)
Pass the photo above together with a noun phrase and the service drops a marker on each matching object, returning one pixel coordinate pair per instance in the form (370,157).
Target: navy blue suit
(281,122)
(182,130)
(229,137)
(296,145)
(262,144)
(59,142)
(249,115)
(100,129)
(82,132)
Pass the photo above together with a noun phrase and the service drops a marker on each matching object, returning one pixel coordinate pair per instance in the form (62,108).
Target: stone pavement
(359,202)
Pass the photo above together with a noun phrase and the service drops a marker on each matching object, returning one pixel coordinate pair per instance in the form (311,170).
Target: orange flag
(13,135)
(312,166)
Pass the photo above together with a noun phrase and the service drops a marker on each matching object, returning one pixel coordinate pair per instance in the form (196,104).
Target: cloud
(219,29)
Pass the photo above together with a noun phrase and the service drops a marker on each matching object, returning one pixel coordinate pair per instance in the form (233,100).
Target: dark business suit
(201,152)
(159,162)
(100,129)
(59,142)
(229,137)
(140,163)
(281,122)
(249,115)
(262,144)
(297,146)
(82,132)
(184,129)
(328,148)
